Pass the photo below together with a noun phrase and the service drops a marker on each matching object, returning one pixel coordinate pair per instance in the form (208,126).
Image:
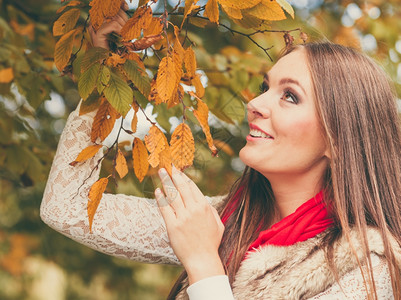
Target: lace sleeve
(124,226)
(351,285)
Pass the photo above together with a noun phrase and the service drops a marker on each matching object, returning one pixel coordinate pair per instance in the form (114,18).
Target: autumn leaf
(201,114)
(138,77)
(95,195)
(287,7)
(103,122)
(189,8)
(135,57)
(134,123)
(144,42)
(155,27)
(140,20)
(223,146)
(239,4)
(121,164)
(177,44)
(165,160)
(196,82)
(92,56)
(212,11)
(87,153)
(153,95)
(103,9)
(182,146)
(177,97)
(114,60)
(66,22)
(92,103)
(190,61)
(166,78)
(267,10)
(103,79)
(69,4)
(6,75)
(140,159)
(119,94)
(155,142)
(87,81)
(63,49)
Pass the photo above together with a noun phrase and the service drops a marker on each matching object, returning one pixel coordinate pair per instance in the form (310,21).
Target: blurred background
(39,263)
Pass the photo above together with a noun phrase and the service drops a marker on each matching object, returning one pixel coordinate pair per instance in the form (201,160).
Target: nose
(257,108)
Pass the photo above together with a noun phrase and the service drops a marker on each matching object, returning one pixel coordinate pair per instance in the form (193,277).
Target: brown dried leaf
(182,146)
(95,195)
(87,153)
(140,159)
(121,164)
(144,42)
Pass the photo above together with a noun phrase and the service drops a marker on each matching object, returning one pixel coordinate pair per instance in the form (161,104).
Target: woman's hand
(193,225)
(99,37)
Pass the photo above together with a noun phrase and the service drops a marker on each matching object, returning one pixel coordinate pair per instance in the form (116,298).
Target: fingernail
(163,171)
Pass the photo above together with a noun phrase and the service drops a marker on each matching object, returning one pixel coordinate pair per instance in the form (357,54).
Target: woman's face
(285,137)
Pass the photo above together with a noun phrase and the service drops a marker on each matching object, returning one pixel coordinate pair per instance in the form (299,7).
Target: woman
(325,128)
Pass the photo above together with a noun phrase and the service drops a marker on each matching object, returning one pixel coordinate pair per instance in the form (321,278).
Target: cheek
(305,133)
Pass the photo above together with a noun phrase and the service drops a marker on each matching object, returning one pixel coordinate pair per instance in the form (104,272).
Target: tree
(230,61)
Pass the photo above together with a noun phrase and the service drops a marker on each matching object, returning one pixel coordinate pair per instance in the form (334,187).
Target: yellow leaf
(267,10)
(134,123)
(153,95)
(103,122)
(177,97)
(233,13)
(114,60)
(140,20)
(239,4)
(102,10)
(155,142)
(166,78)
(165,159)
(212,11)
(95,195)
(196,82)
(189,9)
(155,27)
(6,75)
(71,3)
(140,159)
(182,146)
(121,164)
(66,22)
(87,153)
(287,7)
(190,61)
(201,114)
(177,60)
(177,44)
(63,49)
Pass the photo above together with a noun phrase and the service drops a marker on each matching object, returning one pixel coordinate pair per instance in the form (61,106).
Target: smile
(259,134)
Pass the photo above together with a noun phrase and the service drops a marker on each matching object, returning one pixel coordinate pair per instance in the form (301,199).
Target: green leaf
(92,56)
(87,81)
(138,77)
(103,79)
(225,105)
(119,94)
(140,98)
(66,22)
(63,49)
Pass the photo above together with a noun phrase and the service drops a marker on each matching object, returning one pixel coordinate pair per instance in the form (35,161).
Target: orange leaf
(103,9)
(233,13)
(239,4)
(6,75)
(177,97)
(201,114)
(87,153)
(145,42)
(155,142)
(63,49)
(71,3)
(140,159)
(196,82)
(104,121)
(182,146)
(114,60)
(140,20)
(177,60)
(153,95)
(190,61)
(165,159)
(134,123)
(95,195)
(155,27)
(212,11)
(189,7)
(121,164)
(267,10)
(177,44)
(166,78)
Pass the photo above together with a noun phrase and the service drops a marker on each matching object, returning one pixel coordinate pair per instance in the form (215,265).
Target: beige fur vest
(299,271)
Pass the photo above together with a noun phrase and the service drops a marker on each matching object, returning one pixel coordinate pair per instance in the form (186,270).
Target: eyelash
(263,88)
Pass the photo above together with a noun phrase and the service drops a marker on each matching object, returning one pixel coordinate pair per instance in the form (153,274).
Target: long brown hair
(357,108)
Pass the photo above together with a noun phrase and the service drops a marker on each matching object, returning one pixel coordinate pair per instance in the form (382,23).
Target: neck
(291,191)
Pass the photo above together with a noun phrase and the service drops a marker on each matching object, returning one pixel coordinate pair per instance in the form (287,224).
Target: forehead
(294,66)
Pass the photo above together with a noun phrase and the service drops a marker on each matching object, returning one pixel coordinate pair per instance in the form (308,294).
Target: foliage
(230,58)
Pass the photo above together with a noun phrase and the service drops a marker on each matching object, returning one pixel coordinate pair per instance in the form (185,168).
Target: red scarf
(310,219)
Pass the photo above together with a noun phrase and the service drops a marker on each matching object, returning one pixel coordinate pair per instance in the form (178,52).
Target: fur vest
(299,271)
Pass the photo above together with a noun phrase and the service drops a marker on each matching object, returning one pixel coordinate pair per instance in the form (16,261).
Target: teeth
(257,133)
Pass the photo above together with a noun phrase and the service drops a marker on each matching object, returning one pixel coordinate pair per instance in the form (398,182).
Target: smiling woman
(315,215)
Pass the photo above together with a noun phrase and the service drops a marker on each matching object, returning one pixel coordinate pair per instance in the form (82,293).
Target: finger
(172,194)
(217,218)
(119,19)
(123,15)
(196,192)
(166,210)
(124,5)
(183,186)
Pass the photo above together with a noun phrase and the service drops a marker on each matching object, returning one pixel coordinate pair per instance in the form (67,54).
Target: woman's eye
(289,97)
(263,87)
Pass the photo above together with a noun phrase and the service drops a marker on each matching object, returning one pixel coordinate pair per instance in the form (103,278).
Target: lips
(256,132)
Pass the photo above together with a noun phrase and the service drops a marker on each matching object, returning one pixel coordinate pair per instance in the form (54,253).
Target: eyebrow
(286,80)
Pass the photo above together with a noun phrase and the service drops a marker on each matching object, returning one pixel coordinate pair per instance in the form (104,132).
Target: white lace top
(132,227)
